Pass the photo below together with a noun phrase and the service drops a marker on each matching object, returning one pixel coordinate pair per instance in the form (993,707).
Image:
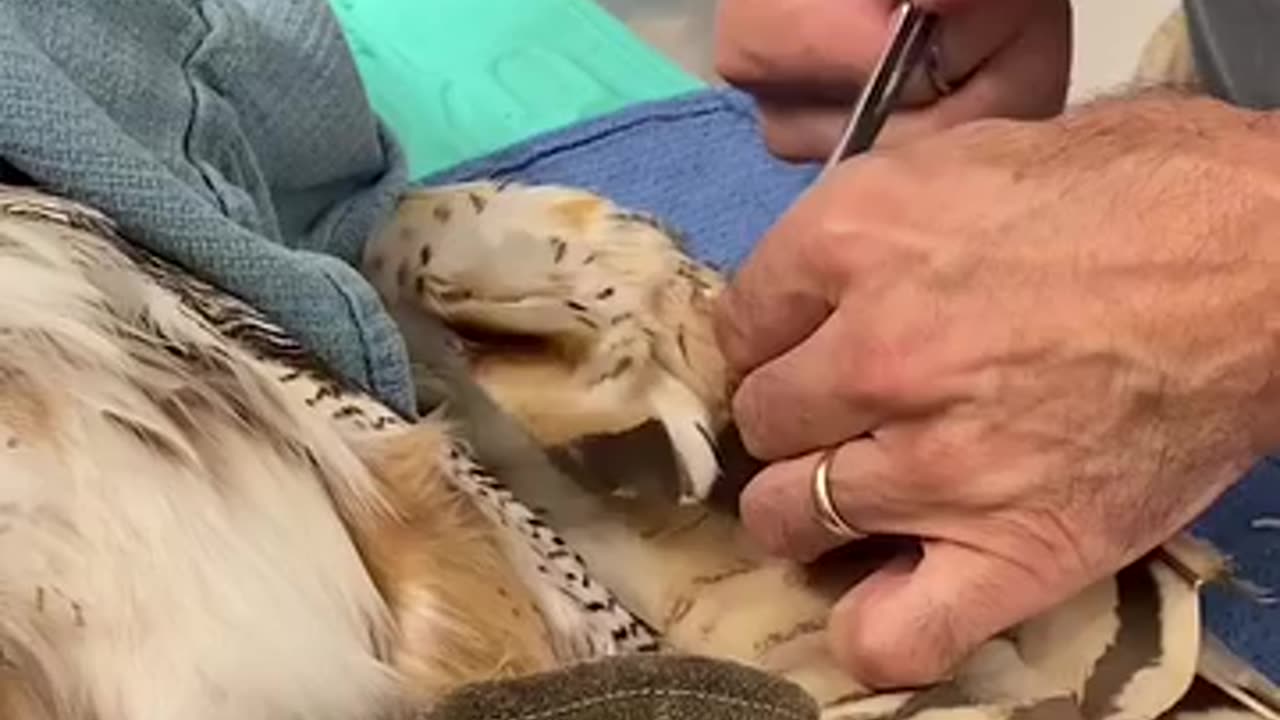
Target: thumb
(913,622)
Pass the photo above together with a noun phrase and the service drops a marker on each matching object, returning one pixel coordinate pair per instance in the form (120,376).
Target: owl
(199,519)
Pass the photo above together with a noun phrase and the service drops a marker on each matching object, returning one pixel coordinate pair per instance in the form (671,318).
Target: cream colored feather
(1130,647)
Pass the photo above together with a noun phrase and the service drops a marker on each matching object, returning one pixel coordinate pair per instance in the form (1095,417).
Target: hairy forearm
(1176,122)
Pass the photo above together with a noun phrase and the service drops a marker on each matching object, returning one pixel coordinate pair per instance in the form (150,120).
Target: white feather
(151,569)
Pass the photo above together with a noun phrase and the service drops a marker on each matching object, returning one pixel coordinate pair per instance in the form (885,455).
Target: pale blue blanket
(231,136)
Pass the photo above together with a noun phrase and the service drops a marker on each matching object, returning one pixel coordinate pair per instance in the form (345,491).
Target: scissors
(908,45)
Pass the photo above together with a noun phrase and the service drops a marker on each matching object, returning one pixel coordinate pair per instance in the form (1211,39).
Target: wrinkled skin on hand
(1057,341)
(804,60)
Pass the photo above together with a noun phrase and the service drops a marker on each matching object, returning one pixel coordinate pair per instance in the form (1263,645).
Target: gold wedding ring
(825,506)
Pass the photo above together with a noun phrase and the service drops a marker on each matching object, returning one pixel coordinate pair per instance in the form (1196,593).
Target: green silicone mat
(458,79)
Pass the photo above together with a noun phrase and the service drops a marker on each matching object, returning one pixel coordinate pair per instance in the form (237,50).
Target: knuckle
(1072,539)
(730,335)
(883,657)
(824,43)
(749,414)
(880,377)
(784,141)
(925,486)
(933,471)
(844,217)
(821,233)
(741,54)
(729,61)
(875,656)
(759,508)
(775,514)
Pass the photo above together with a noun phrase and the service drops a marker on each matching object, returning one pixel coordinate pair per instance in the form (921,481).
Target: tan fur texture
(172,540)
(617,314)
(20,697)
(191,529)
(460,610)
(1167,59)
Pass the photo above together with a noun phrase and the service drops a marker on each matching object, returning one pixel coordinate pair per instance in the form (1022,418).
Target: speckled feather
(593,623)
(1087,659)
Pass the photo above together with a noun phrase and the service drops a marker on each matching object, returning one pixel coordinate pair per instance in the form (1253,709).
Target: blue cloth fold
(698,162)
(230,136)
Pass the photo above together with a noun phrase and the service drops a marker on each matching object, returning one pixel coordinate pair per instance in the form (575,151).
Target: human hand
(1058,343)
(804,60)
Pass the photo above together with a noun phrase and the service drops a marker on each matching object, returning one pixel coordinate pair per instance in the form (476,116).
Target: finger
(831,52)
(769,46)
(802,268)
(755,320)
(1027,80)
(779,512)
(910,625)
(888,356)
(969,36)
(802,133)
(785,289)
(826,390)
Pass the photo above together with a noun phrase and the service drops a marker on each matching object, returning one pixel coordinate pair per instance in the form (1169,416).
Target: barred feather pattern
(623,380)
(582,317)
(613,628)
(587,620)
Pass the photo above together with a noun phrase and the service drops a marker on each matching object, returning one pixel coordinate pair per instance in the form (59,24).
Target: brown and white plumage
(159,492)
(618,315)
(201,526)
(542,264)
(197,519)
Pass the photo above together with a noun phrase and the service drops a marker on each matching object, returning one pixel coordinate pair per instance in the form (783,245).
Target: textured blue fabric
(698,162)
(1242,523)
(230,136)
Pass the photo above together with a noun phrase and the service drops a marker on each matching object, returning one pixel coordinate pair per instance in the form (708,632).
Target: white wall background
(1110,35)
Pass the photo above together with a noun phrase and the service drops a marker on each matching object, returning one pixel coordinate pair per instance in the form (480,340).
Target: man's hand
(804,61)
(1058,343)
